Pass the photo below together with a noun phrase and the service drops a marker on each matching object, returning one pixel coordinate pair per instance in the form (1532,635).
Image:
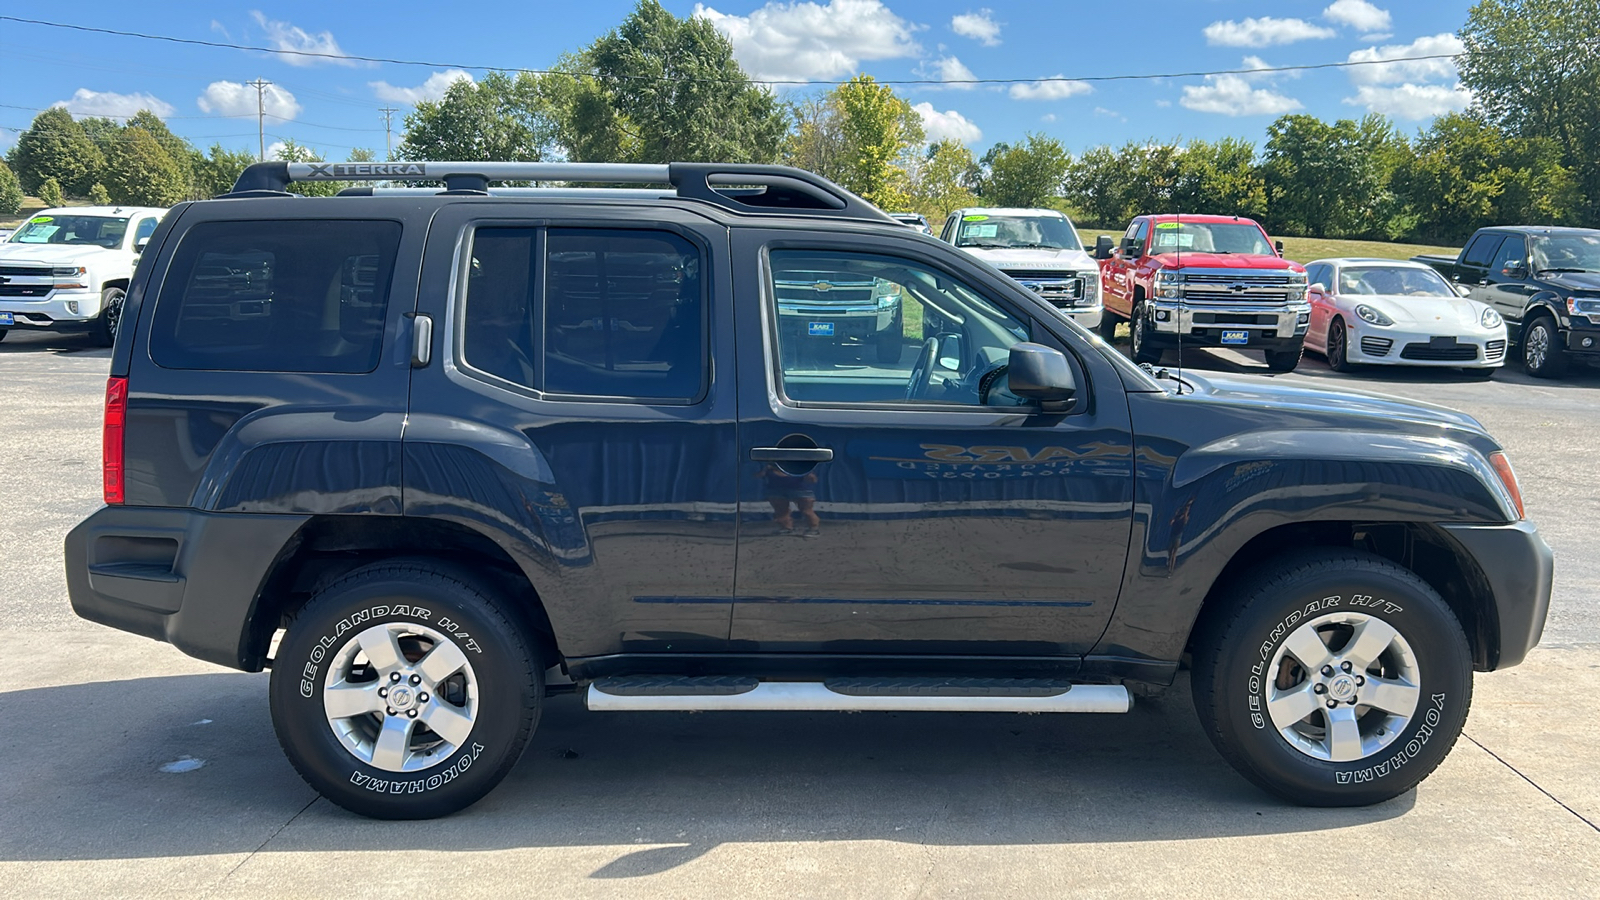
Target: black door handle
(791,454)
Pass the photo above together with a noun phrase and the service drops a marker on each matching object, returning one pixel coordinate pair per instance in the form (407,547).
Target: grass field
(1305,250)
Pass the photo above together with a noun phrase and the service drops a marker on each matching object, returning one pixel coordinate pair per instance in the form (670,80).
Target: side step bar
(1020,695)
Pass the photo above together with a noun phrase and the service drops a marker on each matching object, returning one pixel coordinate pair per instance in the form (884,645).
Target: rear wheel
(401,691)
(1338,351)
(1334,678)
(1542,353)
(105,327)
(1108,326)
(1284,360)
(1139,338)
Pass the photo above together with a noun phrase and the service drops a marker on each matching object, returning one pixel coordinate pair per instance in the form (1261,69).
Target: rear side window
(277,296)
(1482,250)
(612,313)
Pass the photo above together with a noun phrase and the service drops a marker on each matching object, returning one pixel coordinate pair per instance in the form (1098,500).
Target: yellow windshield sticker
(973,218)
(1169,225)
(39,220)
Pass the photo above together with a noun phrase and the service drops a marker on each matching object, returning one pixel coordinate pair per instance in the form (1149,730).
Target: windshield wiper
(1542,271)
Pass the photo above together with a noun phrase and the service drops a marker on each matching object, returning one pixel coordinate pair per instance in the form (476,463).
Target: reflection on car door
(1506,292)
(933,525)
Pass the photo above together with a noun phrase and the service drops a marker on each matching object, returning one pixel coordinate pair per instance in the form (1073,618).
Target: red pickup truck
(1209,281)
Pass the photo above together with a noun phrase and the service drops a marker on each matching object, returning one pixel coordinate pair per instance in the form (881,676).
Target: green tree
(98,195)
(1027,175)
(57,147)
(501,118)
(816,141)
(1221,178)
(140,172)
(881,132)
(293,152)
(217,170)
(942,181)
(1534,70)
(11,195)
(1095,188)
(1332,180)
(658,89)
(49,193)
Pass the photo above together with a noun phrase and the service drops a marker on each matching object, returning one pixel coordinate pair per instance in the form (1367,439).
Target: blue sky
(333,104)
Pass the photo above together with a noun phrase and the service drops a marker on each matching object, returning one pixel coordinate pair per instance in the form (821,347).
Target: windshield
(97,231)
(1218,237)
(1393,281)
(1576,252)
(988,232)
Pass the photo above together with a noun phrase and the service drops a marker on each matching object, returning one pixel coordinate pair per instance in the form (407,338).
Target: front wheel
(401,691)
(1338,348)
(1139,338)
(1108,326)
(891,342)
(1542,353)
(1333,678)
(105,327)
(3,333)
(1284,360)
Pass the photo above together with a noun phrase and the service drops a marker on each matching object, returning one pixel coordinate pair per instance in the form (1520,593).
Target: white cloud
(1358,14)
(1048,117)
(1110,114)
(230,98)
(1163,103)
(1419,70)
(285,36)
(1411,101)
(1263,32)
(431,90)
(85,102)
(980,26)
(803,41)
(948,68)
(947,125)
(1232,95)
(275,148)
(1050,90)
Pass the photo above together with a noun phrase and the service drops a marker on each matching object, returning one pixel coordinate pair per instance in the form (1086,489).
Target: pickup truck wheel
(1338,348)
(105,327)
(891,342)
(1284,360)
(3,333)
(1336,678)
(1139,338)
(401,691)
(1542,353)
(1108,326)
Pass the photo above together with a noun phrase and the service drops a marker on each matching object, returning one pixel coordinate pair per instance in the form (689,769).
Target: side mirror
(949,352)
(139,246)
(1319,287)
(1515,269)
(1131,248)
(1278,246)
(1462,289)
(1041,373)
(1102,247)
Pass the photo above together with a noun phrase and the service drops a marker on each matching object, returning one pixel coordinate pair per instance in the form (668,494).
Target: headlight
(1490,319)
(68,271)
(887,293)
(1091,288)
(70,277)
(1583,306)
(1167,276)
(1369,314)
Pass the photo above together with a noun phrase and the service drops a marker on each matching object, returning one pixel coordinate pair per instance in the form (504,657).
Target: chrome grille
(1494,350)
(1376,346)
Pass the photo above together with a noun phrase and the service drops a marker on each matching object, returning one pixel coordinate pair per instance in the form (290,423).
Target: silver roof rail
(752,189)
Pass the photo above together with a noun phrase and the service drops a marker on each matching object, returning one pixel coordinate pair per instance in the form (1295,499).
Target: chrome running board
(644,694)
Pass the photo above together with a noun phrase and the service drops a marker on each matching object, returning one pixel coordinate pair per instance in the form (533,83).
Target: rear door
(913,507)
(1505,284)
(1473,265)
(579,411)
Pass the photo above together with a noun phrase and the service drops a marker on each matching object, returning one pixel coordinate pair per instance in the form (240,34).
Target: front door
(906,502)
(578,412)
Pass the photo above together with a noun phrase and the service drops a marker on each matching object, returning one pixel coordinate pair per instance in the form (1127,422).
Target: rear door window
(276,296)
(1481,250)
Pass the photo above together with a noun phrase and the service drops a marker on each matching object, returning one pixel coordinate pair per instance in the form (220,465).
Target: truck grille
(25,271)
(1058,287)
(1202,288)
(24,290)
(1440,351)
(1201,318)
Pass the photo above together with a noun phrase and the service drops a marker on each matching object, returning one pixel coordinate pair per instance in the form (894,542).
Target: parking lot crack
(1580,816)
(270,838)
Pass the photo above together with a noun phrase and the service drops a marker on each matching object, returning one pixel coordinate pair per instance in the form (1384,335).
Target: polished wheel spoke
(447,722)
(1393,697)
(444,660)
(1371,638)
(1293,705)
(341,701)
(1344,735)
(1305,645)
(382,650)
(393,744)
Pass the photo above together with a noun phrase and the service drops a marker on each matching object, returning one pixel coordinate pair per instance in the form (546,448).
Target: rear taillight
(111,458)
(1502,468)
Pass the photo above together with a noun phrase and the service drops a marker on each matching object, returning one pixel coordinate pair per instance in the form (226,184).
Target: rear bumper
(183,576)
(1520,568)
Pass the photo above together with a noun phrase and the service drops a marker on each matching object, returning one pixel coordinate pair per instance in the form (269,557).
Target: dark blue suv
(434,454)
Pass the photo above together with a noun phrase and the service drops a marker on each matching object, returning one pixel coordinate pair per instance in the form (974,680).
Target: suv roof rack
(743,188)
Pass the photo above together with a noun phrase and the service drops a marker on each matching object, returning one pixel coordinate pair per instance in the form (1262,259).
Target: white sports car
(1388,312)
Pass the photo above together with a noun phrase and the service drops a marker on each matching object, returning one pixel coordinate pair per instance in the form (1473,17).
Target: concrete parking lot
(826,805)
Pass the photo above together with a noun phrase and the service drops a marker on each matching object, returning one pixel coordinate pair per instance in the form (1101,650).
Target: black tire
(422,595)
(110,318)
(1542,353)
(3,333)
(1234,676)
(1108,326)
(1138,339)
(1284,360)
(891,342)
(1477,374)
(1338,347)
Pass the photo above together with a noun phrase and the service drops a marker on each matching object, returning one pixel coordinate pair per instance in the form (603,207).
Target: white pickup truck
(1037,247)
(68,269)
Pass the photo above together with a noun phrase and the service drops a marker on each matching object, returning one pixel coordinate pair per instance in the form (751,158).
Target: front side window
(856,328)
(277,296)
(145,228)
(83,231)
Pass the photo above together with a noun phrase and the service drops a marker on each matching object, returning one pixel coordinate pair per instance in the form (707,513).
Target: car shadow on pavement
(18,340)
(81,778)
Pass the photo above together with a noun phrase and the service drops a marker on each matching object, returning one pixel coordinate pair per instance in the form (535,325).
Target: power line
(434,64)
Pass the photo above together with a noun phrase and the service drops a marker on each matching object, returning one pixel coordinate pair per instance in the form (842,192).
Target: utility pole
(261,86)
(388,132)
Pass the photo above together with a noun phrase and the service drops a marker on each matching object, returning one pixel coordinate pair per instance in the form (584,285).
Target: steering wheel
(918,385)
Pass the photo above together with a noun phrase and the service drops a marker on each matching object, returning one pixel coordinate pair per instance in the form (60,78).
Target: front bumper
(1269,326)
(1520,568)
(184,576)
(54,310)
(1372,345)
(847,321)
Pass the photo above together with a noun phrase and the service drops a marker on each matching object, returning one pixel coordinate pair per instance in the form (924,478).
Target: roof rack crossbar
(750,189)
